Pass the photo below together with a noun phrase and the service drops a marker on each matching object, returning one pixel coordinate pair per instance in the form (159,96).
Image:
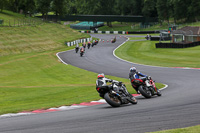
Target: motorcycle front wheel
(113,100)
(132,100)
(81,54)
(158,92)
(146,93)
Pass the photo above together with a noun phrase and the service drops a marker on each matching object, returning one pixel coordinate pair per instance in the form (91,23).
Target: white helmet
(132,69)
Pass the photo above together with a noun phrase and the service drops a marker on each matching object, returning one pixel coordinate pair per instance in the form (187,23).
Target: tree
(129,7)
(72,9)
(59,7)
(43,6)
(193,10)
(163,10)
(180,9)
(2,4)
(28,6)
(88,6)
(149,8)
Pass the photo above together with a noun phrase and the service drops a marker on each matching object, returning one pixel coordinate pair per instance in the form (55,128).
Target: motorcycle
(93,44)
(146,87)
(82,50)
(116,94)
(76,49)
(88,45)
(114,40)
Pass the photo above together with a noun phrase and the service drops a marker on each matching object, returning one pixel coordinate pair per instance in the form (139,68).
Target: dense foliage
(179,10)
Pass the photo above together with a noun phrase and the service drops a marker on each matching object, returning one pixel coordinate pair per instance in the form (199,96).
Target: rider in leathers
(133,74)
(102,81)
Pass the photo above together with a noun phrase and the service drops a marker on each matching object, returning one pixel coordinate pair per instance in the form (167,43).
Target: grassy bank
(40,38)
(144,52)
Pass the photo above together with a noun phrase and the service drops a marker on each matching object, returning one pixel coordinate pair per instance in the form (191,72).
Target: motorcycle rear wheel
(145,93)
(112,100)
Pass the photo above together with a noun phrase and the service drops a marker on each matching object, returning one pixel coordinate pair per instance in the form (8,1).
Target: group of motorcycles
(82,49)
(146,87)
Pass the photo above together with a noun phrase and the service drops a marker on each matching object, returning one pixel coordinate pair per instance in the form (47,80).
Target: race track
(178,107)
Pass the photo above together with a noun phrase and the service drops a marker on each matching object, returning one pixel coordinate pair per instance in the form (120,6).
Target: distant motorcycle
(82,52)
(93,43)
(76,49)
(114,40)
(116,94)
(146,87)
(89,44)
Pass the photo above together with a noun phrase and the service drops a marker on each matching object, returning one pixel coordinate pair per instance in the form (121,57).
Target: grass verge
(144,52)
(193,129)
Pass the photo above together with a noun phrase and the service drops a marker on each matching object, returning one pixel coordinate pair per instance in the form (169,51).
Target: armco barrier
(77,41)
(177,45)
(157,38)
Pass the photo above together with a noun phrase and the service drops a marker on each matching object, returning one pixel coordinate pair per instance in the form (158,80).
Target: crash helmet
(101,75)
(132,69)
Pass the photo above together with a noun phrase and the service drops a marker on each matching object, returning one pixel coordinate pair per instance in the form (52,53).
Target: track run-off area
(178,106)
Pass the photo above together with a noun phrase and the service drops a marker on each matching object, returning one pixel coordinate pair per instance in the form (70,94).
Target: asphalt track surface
(178,107)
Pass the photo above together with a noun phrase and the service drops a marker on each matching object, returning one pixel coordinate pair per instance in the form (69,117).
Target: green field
(144,52)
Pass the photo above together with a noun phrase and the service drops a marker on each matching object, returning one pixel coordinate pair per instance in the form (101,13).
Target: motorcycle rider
(102,81)
(77,48)
(84,44)
(82,49)
(89,44)
(133,74)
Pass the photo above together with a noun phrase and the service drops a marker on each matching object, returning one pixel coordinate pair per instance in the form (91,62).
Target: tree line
(178,10)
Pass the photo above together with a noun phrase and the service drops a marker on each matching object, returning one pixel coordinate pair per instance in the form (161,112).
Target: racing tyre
(144,92)
(132,100)
(158,92)
(112,100)
(81,54)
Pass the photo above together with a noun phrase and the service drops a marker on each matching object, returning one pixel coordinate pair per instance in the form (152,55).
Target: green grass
(14,19)
(48,36)
(144,52)
(136,38)
(193,129)
(8,15)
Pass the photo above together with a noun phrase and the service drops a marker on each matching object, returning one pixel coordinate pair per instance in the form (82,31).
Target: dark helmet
(132,69)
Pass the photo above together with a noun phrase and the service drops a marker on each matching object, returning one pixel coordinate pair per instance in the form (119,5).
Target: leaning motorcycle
(146,87)
(116,94)
(81,53)
(76,49)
